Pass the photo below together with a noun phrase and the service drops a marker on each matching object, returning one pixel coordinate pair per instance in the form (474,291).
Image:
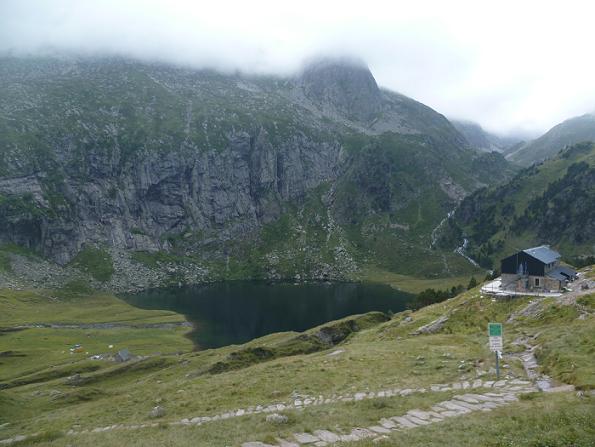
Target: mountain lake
(235,312)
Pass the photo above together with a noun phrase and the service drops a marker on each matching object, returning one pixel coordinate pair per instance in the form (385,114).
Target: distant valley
(484,140)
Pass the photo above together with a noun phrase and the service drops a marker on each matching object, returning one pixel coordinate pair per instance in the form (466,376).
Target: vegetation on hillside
(95,261)
(551,203)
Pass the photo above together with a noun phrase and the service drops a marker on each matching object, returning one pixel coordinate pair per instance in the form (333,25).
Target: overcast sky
(509,65)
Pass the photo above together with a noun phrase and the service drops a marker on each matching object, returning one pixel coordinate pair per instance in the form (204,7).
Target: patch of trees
(565,210)
(582,261)
(432,296)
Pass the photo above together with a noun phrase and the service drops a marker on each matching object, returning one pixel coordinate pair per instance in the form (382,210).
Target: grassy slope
(415,284)
(383,355)
(40,350)
(28,307)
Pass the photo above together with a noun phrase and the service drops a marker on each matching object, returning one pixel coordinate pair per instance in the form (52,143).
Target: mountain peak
(343,85)
(346,62)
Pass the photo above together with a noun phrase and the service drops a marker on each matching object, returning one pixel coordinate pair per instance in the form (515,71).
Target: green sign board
(495,329)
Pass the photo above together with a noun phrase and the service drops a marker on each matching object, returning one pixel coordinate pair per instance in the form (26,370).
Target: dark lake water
(235,312)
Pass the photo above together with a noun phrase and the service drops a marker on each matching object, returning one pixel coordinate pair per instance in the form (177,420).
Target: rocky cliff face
(226,193)
(343,87)
(152,158)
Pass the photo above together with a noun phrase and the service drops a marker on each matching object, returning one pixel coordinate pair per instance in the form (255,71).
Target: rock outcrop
(345,87)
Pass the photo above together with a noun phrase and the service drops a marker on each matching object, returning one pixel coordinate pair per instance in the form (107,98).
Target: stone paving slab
(417,421)
(326,436)
(419,414)
(454,406)
(304,438)
(379,429)
(435,415)
(404,422)
(559,389)
(467,405)
(467,398)
(387,423)
(283,443)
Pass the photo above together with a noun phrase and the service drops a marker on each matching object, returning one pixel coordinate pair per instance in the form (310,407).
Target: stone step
(379,429)
(305,438)
(416,420)
(419,414)
(450,413)
(404,422)
(362,433)
(454,406)
(484,398)
(434,415)
(467,398)
(560,389)
(284,443)
(325,435)
(472,407)
(387,423)
(256,444)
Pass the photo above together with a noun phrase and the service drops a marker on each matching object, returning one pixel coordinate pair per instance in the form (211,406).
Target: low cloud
(511,66)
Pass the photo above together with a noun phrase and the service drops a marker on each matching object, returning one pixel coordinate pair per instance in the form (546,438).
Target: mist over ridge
(521,81)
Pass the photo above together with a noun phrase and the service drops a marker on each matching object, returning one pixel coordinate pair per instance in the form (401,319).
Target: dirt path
(582,286)
(100,325)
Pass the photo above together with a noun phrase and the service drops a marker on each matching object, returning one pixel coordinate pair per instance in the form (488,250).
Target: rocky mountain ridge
(207,167)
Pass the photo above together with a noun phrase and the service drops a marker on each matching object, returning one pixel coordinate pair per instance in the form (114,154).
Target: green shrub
(95,261)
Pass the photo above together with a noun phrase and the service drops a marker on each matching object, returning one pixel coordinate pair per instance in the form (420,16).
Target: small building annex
(535,269)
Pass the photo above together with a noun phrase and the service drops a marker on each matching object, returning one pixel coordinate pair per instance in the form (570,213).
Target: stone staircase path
(457,406)
(300,402)
(527,358)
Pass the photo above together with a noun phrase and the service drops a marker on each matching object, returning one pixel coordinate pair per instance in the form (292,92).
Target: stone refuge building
(535,269)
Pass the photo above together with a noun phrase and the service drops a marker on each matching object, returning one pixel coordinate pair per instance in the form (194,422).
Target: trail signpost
(496,345)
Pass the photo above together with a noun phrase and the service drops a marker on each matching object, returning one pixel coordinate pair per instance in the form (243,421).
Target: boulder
(157,412)
(433,327)
(277,418)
